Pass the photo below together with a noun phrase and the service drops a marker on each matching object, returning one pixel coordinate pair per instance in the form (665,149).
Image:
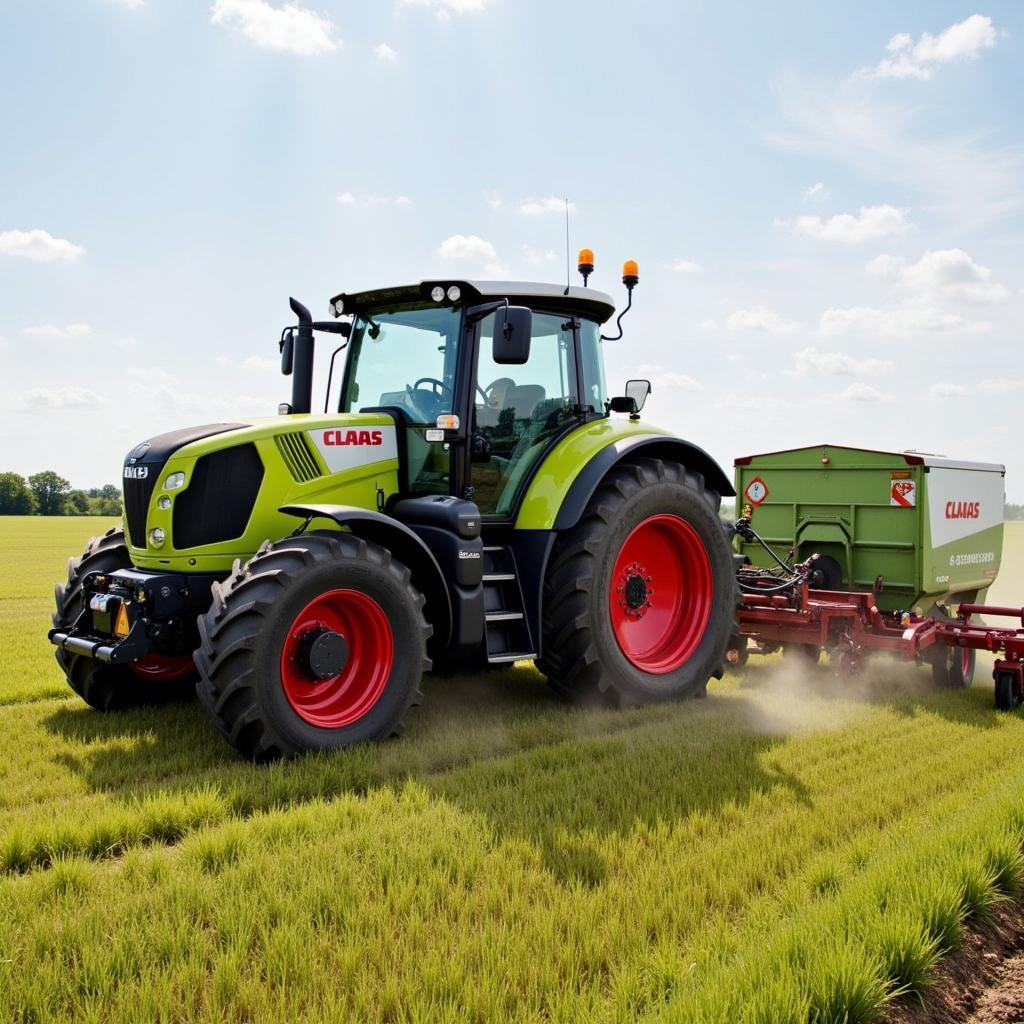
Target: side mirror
(287,346)
(633,400)
(638,390)
(513,328)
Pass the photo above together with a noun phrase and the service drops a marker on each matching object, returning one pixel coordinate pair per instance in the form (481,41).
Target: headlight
(163,502)
(174,481)
(337,308)
(437,293)
(454,293)
(157,537)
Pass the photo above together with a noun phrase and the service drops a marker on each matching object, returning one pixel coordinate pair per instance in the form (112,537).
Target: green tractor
(469,497)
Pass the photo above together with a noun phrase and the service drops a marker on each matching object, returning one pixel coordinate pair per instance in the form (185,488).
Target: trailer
(859,551)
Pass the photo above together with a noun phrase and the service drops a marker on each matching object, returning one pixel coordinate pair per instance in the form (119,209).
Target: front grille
(298,456)
(220,497)
(136,504)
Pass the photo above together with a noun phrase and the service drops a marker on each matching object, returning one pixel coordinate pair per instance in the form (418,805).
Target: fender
(656,446)
(403,543)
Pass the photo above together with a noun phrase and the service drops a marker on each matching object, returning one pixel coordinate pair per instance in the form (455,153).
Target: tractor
(471,496)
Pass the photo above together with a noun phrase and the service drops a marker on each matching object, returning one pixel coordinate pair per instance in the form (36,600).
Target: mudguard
(656,446)
(403,543)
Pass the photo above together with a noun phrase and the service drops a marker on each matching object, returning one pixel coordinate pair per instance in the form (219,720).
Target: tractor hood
(198,498)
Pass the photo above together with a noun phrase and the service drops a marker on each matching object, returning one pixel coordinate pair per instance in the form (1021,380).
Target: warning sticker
(904,494)
(757,491)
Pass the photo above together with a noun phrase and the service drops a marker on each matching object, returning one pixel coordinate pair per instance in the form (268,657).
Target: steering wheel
(440,386)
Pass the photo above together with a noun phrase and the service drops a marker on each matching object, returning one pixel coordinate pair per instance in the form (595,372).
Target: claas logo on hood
(339,438)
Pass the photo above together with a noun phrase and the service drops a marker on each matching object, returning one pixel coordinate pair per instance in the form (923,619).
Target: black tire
(580,653)
(243,634)
(953,667)
(826,574)
(107,687)
(1007,697)
(801,654)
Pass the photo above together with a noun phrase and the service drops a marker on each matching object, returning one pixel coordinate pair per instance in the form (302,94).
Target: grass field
(785,851)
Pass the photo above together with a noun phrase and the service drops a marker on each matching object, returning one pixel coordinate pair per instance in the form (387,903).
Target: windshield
(405,358)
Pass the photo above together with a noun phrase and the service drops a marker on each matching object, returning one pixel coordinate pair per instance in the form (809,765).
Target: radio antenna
(568,264)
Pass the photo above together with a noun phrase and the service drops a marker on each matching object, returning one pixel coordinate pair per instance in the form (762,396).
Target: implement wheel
(318,642)
(156,679)
(953,668)
(1007,697)
(640,596)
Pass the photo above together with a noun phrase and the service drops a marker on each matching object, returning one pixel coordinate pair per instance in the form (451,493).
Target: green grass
(775,853)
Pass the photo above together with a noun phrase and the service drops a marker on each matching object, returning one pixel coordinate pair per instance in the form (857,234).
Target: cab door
(518,412)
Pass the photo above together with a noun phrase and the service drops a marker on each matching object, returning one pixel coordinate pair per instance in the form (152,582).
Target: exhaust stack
(302,370)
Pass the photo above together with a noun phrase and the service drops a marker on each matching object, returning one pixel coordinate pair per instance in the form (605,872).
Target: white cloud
(467,247)
(962,41)
(960,173)
(884,264)
(857,391)
(38,245)
(685,266)
(493,198)
(815,193)
(869,222)
(1000,385)
(350,199)
(538,257)
(898,322)
(662,378)
(943,389)
(760,318)
(549,204)
(70,397)
(66,333)
(131,5)
(708,325)
(952,274)
(290,28)
(384,52)
(445,8)
(812,362)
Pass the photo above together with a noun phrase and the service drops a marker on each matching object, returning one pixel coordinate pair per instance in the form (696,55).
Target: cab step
(507,631)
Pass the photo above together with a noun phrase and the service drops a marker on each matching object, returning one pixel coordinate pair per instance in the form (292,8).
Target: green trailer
(921,531)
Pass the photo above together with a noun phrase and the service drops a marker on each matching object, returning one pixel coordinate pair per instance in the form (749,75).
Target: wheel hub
(322,653)
(635,591)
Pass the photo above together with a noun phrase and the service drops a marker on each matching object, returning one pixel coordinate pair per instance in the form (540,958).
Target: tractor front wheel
(316,643)
(640,596)
(156,679)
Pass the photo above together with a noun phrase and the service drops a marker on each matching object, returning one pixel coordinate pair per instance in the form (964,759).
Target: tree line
(49,494)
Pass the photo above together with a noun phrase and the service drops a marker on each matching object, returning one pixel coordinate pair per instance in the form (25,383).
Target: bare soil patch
(982,982)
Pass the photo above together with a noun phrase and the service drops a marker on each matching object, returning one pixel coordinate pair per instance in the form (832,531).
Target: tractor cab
(477,413)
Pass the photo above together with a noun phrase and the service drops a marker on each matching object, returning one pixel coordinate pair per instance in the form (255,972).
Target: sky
(826,202)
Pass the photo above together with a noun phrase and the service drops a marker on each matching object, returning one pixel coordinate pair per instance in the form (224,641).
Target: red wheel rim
(661,593)
(163,668)
(965,661)
(346,697)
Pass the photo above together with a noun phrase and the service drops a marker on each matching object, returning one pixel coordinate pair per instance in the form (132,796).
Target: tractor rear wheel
(640,596)
(316,643)
(156,679)
(953,668)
